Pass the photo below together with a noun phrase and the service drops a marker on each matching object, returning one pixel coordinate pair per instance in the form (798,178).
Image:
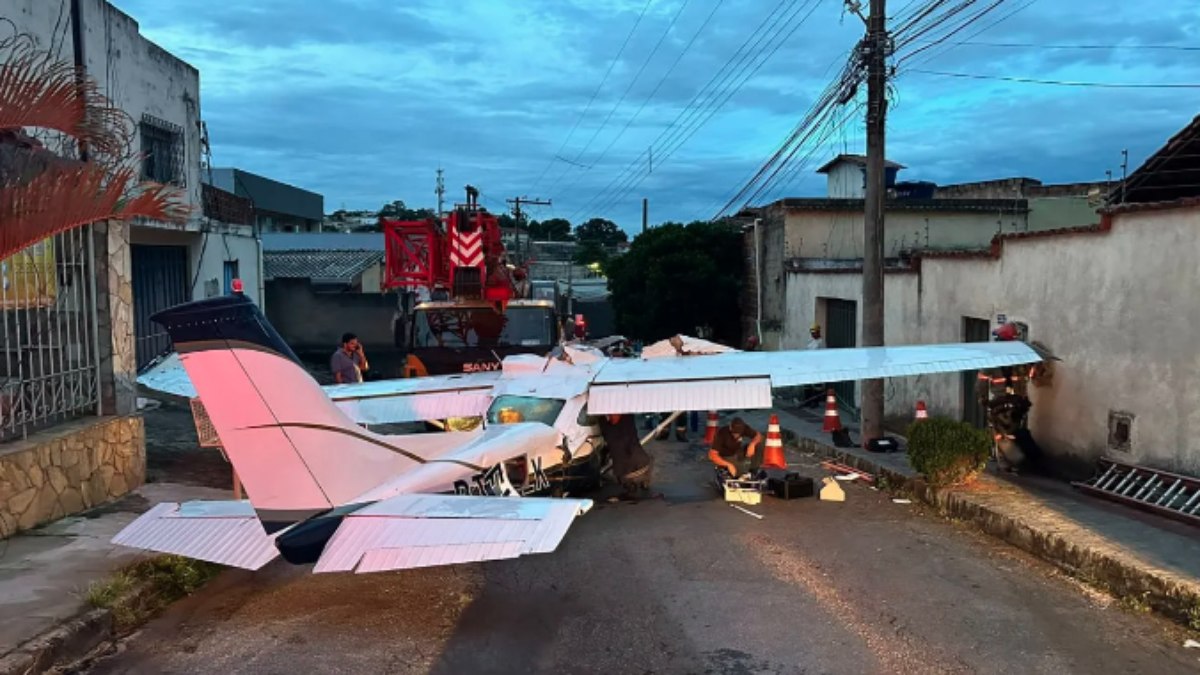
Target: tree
(43,192)
(592,252)
(674,278)
(397,210)
(604,231)
(508,222)
(555,229)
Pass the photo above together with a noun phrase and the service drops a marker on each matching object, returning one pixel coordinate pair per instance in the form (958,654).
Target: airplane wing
(221,532)
(423,530)
(415,399)
(380,402)
(745,380)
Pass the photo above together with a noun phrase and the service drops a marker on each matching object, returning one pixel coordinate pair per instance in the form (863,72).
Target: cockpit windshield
(514,409)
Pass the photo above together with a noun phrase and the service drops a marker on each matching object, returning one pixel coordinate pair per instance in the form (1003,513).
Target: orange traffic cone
(773,450)
(922,414)
(710,432)
(833,421)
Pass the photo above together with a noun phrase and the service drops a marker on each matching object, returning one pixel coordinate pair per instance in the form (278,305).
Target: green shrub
(141,589)
(947,452)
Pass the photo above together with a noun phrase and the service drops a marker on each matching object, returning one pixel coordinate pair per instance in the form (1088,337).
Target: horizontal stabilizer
(424,530)
(221,532)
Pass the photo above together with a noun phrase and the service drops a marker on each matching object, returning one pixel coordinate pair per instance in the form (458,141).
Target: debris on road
(1191,644)
(832,492)
(842,469)
(901,501)
(747,511)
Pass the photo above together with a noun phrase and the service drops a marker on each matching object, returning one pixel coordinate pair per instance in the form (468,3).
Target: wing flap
(225,533)
(728,394)
(427,530)
(412,557)
(741,380)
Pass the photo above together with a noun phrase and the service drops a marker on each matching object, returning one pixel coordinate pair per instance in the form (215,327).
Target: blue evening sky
(362,100)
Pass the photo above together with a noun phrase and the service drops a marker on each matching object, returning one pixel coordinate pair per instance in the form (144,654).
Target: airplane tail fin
(296,453)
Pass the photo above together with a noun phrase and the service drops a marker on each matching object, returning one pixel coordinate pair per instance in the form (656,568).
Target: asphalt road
(681,585)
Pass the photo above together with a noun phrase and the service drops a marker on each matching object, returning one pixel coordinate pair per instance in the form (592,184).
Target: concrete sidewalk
(1148,560)
(45,574)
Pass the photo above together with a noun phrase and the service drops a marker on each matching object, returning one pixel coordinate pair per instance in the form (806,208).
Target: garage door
(160,280)
(974,330)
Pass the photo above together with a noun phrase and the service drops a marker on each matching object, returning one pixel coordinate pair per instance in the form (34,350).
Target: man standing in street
(729,458)
(630,461)
(812,394)
(349,362)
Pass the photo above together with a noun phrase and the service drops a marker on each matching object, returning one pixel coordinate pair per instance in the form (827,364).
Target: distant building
(1102,276)
(847,176)
(278,207)
(76,307)
(328,261)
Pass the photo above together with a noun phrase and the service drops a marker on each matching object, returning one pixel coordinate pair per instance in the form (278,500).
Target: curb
(1173,597)
(73,640)
(65,643)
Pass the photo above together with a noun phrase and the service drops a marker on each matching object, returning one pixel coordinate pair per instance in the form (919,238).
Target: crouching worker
(730,459)
(630,461)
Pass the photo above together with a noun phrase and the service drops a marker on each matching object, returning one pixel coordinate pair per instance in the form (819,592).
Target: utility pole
(875,50)
(80,64)
(517,202)
(645,214)
(1124,172)
(440,192)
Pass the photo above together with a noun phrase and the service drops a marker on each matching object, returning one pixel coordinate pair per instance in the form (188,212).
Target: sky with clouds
(362,100)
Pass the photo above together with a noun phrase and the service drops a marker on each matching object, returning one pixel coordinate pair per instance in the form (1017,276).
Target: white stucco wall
(138,76)
(846,180)
(1118,307)
(839,234)
(805,292)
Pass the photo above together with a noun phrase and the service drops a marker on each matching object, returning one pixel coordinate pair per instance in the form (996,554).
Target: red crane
(460,258)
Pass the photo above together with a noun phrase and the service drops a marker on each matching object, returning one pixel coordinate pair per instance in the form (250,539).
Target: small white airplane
(323,489)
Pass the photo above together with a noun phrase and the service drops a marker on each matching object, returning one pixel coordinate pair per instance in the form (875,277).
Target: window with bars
(162,150)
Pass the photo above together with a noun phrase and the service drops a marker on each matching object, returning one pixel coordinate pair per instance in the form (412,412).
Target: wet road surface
(685,584)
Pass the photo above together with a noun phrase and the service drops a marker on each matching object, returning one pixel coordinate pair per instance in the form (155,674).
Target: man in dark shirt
(630,462)
(728,456)
(349,362)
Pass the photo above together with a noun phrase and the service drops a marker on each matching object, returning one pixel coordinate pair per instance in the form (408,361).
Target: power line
(1063,83)
(1034,45)
(600,86)
(632,168)
(705,112)
(962,26)
(661,81)
(947,49)
(629,88)
(813,119)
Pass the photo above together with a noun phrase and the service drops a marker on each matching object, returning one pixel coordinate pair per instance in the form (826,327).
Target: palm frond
(38,90)
(64,196)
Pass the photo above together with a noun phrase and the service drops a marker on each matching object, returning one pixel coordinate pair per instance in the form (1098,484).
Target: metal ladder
(1161,492)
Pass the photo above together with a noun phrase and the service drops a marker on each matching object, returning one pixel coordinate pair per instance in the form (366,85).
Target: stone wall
(71,468)
(114,307)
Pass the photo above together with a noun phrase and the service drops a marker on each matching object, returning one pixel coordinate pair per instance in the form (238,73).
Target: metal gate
(974,330)
(160,280)
(842,331)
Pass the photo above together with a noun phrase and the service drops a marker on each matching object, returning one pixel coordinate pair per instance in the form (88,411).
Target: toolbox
(744,491)
(792,486)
